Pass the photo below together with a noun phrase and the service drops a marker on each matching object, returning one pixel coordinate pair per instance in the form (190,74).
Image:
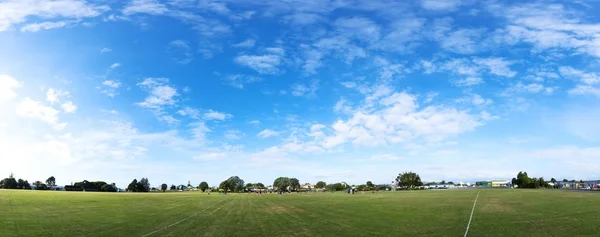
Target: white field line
(184,219)
(472,211)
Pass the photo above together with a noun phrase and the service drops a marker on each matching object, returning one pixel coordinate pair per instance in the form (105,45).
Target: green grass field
(407,213)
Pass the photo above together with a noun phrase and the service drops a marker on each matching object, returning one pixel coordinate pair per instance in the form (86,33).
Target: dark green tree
(9,183)
(203,186)
(369,185)
(164,187)
(23,184)
(281,183)
(108,188)
(320,184)
(409,180)
(233,183)
(133,186)
(173,187)
(40,186)
(294,184)
(51,181)
(143,185)
(260,185)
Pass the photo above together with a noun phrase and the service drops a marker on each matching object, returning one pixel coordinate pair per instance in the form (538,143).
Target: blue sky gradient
(188,90)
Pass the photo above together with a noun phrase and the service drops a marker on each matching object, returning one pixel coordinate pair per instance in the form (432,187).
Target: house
(591,184)
(570,184)
(307,186)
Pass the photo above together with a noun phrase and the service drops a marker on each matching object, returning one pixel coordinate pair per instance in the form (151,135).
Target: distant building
(441,186)
(493,183)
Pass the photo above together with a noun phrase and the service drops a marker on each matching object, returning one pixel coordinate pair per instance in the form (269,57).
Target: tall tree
(173,187)
(409,180)
(51,182)
(369,184)
(40,186)
(233,183)
(133,186)
(10,182)
(23,184)
(203,186)
(320,184)
(143,185)
(164,187)
(294,184)
(281,183)
(260,185)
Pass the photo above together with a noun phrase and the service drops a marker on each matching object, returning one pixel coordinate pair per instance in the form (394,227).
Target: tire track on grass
(187,218)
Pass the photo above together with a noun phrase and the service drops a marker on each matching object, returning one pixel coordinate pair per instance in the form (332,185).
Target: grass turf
(407,213)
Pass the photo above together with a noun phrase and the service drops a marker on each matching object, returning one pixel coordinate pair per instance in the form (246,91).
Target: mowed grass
(407,213)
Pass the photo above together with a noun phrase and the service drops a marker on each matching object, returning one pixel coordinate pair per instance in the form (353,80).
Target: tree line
(13,183)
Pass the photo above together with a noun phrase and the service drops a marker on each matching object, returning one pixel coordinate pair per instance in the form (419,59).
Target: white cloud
(105,50)
(233,134)
(497,66)
(115,65)
(267,133)
(180,51)
(68,107)
(249,43)
(110,83)
(384,157)
(160,94)
(440,5)
(309,90)
(547,27)
(398,119)
(239,80)
(210,156)
(430,97)
(584,77)
(33,109)
(214,115)
(348,84)
(469,81)
(359,28)
(480,101)
(255,122)
(151,7)
(585,90)
(188,111)
(35,27)
(7,87)
(529,88)
(263,64)
(17,11)
(463,41)
(169,119)
(199,131)
(53,95)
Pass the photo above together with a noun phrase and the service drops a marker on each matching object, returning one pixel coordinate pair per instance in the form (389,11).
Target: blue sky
(188,90)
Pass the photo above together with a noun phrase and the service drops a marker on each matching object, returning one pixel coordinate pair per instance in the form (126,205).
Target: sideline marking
(184,219)
(472,211)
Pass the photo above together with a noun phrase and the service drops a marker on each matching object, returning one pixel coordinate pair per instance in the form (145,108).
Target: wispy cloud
(160,93)
(267,133)
(263,64)
(249,43)
(215,115)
